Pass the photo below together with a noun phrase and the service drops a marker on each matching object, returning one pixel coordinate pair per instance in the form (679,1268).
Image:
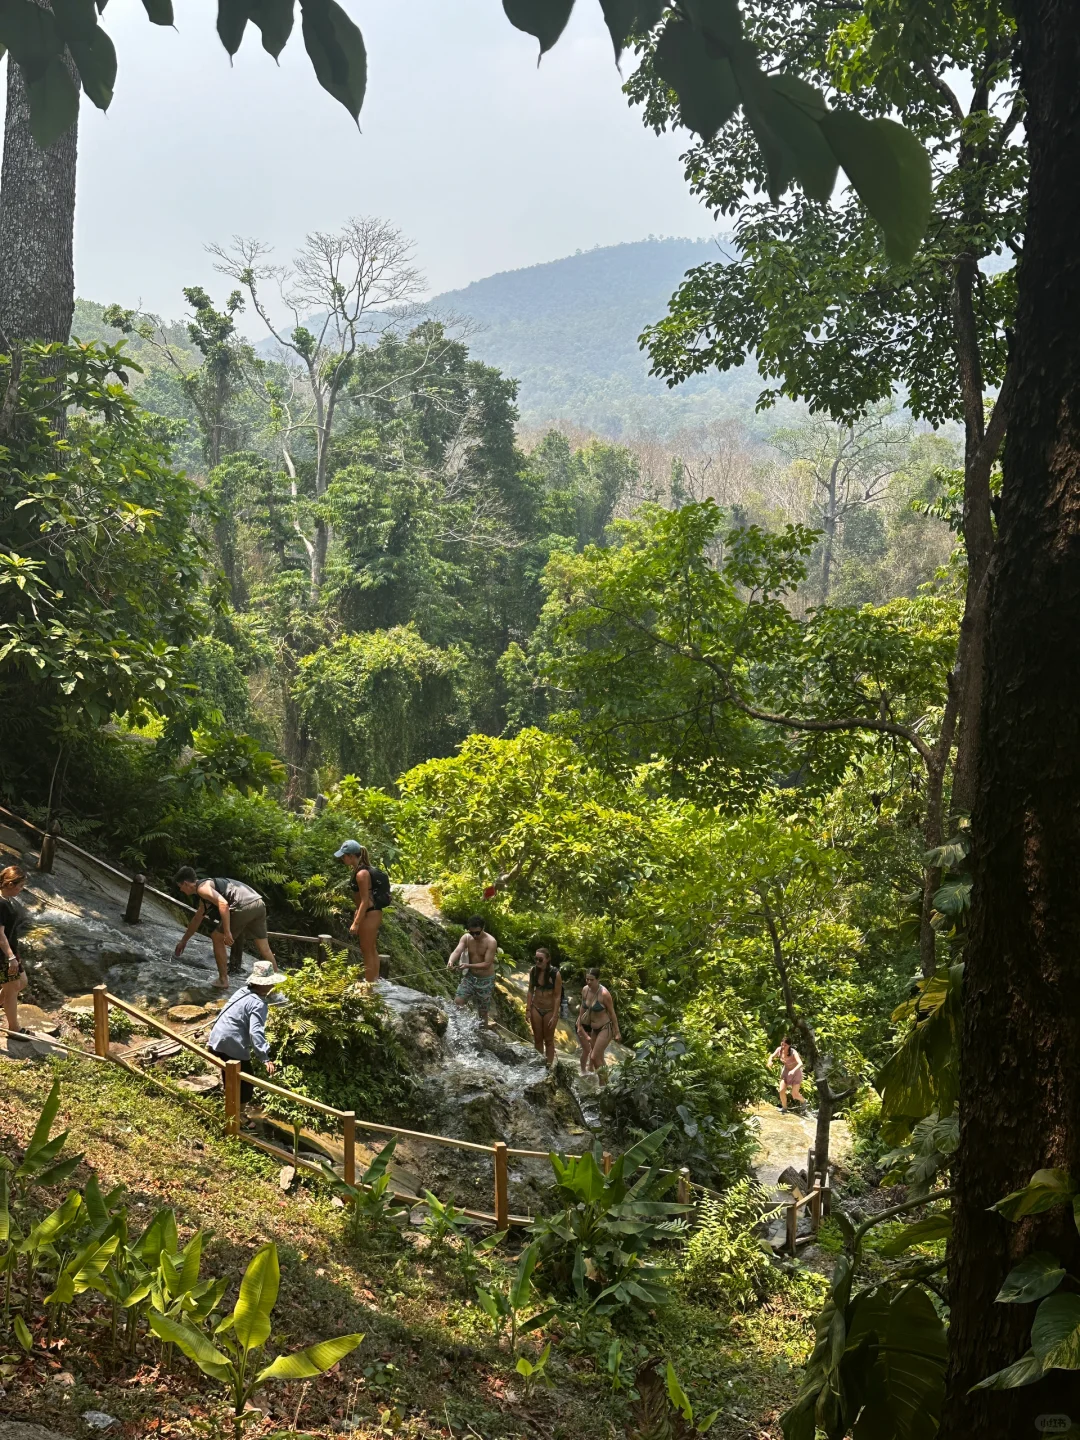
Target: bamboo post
(384,967)
(232,1097)
(815,1207)
(826,1196)
(791,1225)
(607,1162)
(502,1189)
(682,1193)
(135,899)
(101,1021)
(348,1139)
(811,1166)
(324,948)
(47,853)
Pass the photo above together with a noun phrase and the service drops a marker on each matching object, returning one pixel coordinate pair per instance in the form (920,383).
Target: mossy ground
(429,1365)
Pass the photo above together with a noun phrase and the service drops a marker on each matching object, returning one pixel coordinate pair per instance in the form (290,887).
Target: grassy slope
(428,1355)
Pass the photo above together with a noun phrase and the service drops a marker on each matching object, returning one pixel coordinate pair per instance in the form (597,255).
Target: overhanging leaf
(159,11)
(232,18)
(545,19)
(889,170)
(192,1343)
(1036,1276)
(337,52)
(708,94)
(95,60)
(275,21)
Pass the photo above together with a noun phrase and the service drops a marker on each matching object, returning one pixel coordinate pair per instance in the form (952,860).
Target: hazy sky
(486,161)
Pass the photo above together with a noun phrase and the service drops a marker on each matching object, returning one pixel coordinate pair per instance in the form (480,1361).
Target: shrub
(334,1041)
(726,1266)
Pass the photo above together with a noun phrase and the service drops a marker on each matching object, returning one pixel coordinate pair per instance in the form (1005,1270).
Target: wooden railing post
(348,1141)
(101,1021)
(791,1225)
(47,853)
(135,898)
(607,1162)
(384,967)
(502,1187)
(815,1206)
(324,948)
(682,1193)
(232,1097)
(826,1197)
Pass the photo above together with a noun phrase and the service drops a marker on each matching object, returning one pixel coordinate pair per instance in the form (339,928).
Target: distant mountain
(568,331)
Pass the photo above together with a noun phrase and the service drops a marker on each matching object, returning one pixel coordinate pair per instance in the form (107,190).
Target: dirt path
(784,1138)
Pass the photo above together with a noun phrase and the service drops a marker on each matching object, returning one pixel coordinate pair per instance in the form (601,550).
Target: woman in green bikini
(597,1024)
(542,1006)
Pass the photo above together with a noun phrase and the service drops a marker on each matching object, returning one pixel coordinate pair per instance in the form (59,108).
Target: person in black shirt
(13,979)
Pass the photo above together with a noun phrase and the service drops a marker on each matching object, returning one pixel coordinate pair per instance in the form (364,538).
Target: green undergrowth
(430,1363)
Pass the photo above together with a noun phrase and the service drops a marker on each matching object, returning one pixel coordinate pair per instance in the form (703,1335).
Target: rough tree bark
(1020,1099)
(37,223)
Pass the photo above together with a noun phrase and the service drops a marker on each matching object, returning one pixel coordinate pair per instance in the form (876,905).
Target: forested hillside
(568,331)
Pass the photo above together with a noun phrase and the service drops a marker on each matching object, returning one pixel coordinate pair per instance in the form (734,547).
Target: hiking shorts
(248,922)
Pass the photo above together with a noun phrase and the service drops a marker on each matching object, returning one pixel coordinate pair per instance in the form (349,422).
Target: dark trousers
(247,1090)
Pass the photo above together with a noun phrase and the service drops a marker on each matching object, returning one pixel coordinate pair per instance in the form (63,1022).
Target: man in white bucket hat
(241,1024)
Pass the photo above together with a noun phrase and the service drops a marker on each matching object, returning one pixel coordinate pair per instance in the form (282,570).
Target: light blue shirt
(241,1027)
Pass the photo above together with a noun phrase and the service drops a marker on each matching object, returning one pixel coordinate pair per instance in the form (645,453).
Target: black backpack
(380,888)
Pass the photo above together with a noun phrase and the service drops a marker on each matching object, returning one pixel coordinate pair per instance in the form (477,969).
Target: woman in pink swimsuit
(791,1072)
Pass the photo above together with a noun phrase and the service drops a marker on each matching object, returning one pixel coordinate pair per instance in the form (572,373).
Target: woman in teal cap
(371,891)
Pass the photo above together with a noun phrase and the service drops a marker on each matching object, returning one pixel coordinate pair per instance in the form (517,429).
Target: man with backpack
(371,894)
(236,911)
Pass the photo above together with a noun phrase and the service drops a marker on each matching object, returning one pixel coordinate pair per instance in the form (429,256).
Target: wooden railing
(819,1202)
(233,1075)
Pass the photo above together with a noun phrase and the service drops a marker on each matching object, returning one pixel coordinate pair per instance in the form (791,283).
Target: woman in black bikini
(13,979)
(542,1006)
(597,1024)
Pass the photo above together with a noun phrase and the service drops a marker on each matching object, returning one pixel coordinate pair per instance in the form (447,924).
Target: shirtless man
(475,955)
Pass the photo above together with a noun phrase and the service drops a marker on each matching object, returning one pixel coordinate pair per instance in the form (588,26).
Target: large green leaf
(189,1262)
(337,52)
(705,84)
(1045,1190)
(159,1235)
(48,1114)
(546,19)
(95,59)
(905,1394)
(55,1223)
(1055,1333)
(58,1173)
(521,1286)
(1025,1371)
(381,1163)
(645,1149)
(77,19)
(312,1361)
(232,18)
(794,116)
(889,170)
(1037,1275)
(934,1227)
(192,1343)
(630,17)
(257,1298)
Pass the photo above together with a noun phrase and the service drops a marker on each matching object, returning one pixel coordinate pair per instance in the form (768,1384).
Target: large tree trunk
(37,222)
(1020,1105)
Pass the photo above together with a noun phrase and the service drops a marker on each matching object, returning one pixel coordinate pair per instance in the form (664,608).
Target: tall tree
(341,291)
(1020,1095)
(808,291)
(37,220)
